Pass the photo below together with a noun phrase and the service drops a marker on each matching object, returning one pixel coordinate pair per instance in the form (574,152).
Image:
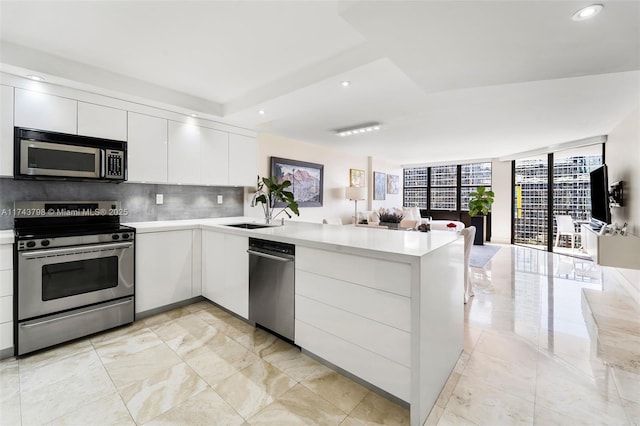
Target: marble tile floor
(528,359)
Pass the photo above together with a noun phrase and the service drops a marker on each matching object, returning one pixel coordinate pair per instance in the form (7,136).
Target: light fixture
(587,12)
(35,77)
(355,193)
(261,112)
(194,115)
(345,83)
(363,128)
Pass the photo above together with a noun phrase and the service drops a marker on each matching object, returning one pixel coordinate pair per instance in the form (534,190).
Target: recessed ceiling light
(587,12)
(345,83)
(194,115)
(261,112)
(35,77)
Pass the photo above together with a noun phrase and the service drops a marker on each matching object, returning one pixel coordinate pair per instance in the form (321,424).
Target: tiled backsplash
(180,201)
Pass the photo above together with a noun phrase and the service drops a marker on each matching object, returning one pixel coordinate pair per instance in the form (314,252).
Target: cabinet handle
(270,256)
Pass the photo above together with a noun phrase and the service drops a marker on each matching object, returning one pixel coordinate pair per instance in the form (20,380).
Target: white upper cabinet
(214,154)
(184,153)
(198,155)
(6,131)
(102,122)
(45,112)
(243,160)
(147,148)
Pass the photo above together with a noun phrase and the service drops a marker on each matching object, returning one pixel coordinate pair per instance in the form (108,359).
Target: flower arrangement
(388,216)
(451,225)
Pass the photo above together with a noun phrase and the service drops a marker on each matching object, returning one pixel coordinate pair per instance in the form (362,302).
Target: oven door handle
(101,308)
(75,250)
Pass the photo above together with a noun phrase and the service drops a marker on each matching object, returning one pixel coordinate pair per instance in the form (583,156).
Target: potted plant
(390,219)
(480,202)
(268,192)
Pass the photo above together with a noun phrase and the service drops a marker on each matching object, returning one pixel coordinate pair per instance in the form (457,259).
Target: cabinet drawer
(381,306)
(6,309)
(378,338)
(6,335)
(6,282)
(393,277)
(6,257)
(375,369)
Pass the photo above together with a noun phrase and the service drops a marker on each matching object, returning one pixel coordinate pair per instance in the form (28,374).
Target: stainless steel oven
(75,272)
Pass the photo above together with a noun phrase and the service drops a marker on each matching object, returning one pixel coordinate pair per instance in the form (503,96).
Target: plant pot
(391,225)
(479,223)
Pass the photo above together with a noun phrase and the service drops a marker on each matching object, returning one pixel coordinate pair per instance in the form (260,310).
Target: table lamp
(356,193)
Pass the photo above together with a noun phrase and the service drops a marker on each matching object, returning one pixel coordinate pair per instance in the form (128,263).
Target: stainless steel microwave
(47,155)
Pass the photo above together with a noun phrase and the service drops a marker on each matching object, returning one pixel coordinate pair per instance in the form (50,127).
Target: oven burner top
(52,231)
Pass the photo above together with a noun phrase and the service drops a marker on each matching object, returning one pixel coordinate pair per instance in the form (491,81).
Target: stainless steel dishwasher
(272,286)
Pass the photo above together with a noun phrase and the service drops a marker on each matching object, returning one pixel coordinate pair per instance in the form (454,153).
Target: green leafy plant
(480,201)
(269,191)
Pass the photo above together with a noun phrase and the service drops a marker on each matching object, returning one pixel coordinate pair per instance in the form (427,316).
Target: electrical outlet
(159,198)
(219,199)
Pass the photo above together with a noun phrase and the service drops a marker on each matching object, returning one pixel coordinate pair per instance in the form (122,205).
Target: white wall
(622,155)
(389,168)
(336,175)
(501,209)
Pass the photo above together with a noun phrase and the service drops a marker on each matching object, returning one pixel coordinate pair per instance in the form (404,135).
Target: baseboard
(155,311)
(6,353)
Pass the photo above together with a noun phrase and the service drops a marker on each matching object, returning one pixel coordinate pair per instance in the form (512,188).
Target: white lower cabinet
(225,271)
(352,313)
(6,297)
(164,268)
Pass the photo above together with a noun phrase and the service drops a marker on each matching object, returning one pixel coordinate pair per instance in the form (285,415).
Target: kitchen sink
(249,225)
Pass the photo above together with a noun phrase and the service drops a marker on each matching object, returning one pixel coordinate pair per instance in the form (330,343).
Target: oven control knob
(125,236)
(44,243)
(115,237)
(31,244)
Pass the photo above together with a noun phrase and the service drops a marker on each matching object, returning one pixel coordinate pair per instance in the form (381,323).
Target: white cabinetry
(102,122)
(184,153)
(611,250)
(45,112)
(6,297)
(243,160)
(214,158)
(355,312)
(225,271)
(164,268)
(147,148)
(6,131)
(198,155)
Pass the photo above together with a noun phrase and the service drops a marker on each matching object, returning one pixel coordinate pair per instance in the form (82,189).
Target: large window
(471,177)
(415,187)
(444,188)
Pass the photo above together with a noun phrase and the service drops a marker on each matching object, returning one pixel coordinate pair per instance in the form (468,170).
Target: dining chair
(469,235)
(566,227)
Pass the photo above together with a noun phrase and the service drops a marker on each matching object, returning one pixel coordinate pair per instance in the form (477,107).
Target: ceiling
(448,80)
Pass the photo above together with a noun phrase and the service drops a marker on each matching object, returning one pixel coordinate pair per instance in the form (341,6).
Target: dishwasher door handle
(270,256)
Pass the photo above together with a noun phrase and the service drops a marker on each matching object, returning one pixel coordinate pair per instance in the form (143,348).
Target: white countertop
(347,238)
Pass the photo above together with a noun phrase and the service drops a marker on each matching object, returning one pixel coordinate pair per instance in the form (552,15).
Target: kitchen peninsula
(385,306)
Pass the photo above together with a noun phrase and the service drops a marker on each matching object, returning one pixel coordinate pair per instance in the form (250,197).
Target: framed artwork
(356,177)
(379,185)
(306,180)
(393,184)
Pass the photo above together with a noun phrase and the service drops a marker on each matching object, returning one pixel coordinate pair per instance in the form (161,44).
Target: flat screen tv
(600,195)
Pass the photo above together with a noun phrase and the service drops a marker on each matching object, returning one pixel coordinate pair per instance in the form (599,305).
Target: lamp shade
(356,193)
